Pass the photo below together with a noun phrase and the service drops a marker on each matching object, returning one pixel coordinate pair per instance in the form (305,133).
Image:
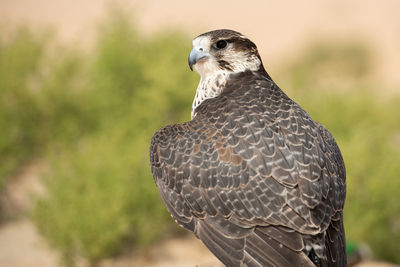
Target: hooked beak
(197,54)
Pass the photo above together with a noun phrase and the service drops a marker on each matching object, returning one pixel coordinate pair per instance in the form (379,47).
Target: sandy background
(279,28)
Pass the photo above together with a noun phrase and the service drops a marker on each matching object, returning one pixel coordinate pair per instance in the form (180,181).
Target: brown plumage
(252,174)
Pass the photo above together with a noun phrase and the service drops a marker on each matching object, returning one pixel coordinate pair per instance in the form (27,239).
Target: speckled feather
(254,177)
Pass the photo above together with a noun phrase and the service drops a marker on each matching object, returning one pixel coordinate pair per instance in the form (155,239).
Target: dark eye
(221,44)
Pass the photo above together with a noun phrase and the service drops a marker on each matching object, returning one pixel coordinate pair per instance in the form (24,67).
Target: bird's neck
(209,87)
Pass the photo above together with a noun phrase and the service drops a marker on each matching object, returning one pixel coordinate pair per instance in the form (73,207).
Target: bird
(252,175)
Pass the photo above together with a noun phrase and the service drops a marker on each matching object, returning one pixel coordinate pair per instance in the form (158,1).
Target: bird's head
(223,51)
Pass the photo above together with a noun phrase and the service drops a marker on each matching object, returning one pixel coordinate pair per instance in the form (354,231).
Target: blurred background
(84,85)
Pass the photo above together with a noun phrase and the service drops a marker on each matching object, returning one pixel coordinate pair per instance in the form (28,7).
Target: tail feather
(262,246)
(228,250)
(272,246)
(335,243)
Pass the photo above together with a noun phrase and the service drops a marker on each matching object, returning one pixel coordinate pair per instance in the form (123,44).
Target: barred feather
(254,177)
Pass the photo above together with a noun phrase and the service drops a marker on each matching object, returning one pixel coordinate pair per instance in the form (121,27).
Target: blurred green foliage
(91,115)
(19,112)
(101,195)
(38,98)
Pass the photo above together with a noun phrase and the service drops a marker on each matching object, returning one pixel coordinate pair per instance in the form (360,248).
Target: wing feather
(261,168)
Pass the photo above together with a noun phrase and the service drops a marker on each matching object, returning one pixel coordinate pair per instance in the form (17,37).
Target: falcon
(252,175)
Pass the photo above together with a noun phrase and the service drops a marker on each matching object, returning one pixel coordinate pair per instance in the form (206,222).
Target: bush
(100,193)
(42,101)
(20,56)
(92,114)
(100,197)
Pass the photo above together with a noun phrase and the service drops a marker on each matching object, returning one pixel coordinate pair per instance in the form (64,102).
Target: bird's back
(256,179)
(272,169)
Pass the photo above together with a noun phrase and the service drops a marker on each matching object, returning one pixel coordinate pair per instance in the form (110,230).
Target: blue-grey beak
(196,55)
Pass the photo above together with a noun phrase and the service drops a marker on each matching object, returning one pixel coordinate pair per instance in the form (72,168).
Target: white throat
(213,78)
(209,87)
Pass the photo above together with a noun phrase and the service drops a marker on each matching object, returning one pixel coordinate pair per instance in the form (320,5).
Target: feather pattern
(254,177)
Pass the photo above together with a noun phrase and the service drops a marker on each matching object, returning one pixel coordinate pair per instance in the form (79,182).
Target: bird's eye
(221,44)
